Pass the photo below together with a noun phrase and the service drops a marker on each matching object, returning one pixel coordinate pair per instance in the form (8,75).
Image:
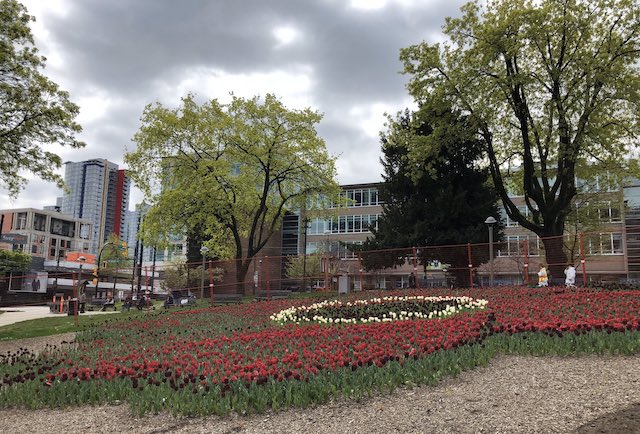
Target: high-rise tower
(98,191)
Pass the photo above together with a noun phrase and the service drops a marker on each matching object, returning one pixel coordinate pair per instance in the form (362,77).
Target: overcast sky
(339,57)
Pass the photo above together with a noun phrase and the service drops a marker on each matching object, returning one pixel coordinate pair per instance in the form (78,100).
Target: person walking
(543,277)
(570,276)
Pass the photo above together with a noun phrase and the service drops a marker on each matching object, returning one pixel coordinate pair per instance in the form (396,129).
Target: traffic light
(125,252)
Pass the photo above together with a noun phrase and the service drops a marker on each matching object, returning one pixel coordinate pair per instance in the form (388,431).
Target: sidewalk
(16,314)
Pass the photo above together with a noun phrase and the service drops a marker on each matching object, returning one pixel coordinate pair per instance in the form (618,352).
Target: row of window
(353,197)
(360,197)
(60,227)
(597,183)
(345,224)
(609,243)
(607,212)
(333,248)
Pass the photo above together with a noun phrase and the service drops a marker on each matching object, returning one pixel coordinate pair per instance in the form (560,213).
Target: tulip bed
(245,359)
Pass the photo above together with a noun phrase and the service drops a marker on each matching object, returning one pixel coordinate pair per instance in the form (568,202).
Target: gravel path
(512,395)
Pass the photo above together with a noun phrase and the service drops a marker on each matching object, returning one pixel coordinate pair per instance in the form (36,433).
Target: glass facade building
(99,192)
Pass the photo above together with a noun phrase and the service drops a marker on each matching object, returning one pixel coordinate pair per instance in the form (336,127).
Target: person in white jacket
(570,276)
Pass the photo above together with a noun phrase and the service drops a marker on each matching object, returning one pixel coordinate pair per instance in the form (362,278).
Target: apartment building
(99,192)
(45,233)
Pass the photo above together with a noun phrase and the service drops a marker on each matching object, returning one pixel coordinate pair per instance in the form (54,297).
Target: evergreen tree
(442,198)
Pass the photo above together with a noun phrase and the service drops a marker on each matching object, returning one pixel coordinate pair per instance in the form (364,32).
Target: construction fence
(604,256)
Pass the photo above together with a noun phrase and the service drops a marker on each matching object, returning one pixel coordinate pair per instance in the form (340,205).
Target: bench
(227,298)
(274,294)
(101,303)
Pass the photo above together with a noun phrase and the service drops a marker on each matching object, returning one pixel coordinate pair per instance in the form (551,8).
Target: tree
(442,199)
(33,110)
(13,261)
(298,267)
(113,253)
(231,170)
(553,87)
(176,276)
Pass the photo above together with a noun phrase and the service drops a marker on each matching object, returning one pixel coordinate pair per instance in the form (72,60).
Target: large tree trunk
(555,256)
(242,266)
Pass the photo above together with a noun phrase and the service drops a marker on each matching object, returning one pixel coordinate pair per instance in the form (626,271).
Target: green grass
(54,325)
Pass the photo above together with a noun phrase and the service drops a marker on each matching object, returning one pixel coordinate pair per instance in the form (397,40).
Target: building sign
(13,239)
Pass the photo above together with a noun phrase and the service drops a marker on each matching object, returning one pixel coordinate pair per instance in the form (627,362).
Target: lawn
(62,324)
(253,357)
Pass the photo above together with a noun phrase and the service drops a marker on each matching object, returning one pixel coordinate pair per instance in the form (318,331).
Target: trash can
(73,307)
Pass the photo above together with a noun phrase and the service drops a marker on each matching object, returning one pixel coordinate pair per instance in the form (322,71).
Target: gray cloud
(129,52)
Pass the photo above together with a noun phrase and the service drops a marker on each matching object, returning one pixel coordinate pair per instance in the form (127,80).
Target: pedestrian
(83,301)
(570,276)
(543,278)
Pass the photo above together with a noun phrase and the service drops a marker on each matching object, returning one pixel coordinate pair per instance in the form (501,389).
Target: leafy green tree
(113,253)
(177,276)
(33,110)
(554,90)
(13,261)
(231,170)
(297,268)
(442,199)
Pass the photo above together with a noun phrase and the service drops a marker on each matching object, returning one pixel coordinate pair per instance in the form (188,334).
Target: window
(510,223)
(350,224)
(85,231)
(21,220)
(605,244)
(514,245)
(616,244)
(357,197)
(39,222)
(62,227)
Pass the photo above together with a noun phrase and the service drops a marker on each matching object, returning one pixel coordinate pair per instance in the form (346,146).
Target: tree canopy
(441,199)
(114,253)
(13,261)
(231,170)
(33,110)
(553,87)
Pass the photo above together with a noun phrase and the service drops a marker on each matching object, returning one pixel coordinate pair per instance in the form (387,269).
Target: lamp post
(327,284)
(304,258)
(490,221)
(57,263)
(80,259)
(203,251)
(98,265)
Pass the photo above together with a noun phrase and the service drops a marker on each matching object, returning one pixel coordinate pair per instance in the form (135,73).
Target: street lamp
(80,259)
(305,221)
(58,254)
(98,265)
(490,221)
(326,260)
(203,251)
